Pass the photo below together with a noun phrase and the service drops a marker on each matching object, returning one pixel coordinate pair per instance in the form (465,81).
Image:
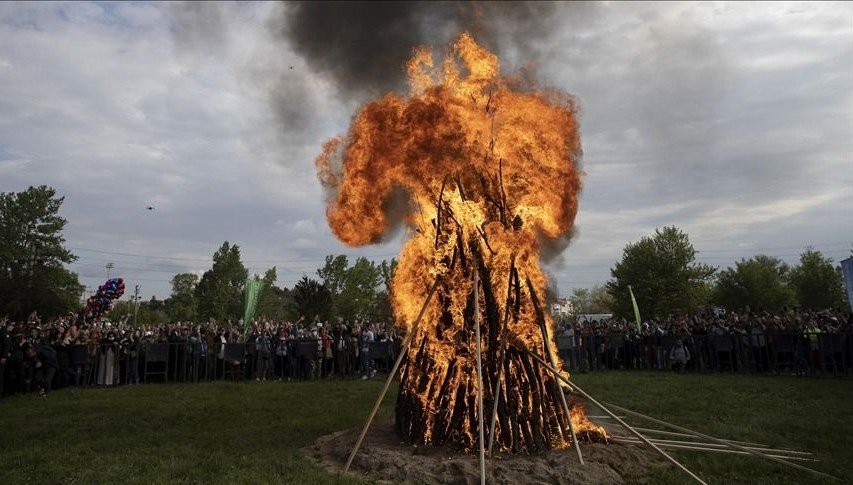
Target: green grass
(252,433)
(814,415)
(207,433)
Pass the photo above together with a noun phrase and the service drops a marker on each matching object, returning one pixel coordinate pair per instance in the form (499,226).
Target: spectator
(366,339)
(679,356)
(41,359)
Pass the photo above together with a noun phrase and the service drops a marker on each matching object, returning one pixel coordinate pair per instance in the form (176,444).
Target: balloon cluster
(102,301)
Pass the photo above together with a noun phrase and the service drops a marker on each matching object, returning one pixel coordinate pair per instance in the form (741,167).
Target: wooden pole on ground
(403,350)
(479,375)
(722,447)
(685,435)
(710,448)
(618,420)
(722,442)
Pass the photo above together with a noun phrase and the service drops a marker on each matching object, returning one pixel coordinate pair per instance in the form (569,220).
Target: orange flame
(490,172)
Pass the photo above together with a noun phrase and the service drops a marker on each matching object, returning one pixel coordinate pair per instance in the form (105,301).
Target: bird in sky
(150,208)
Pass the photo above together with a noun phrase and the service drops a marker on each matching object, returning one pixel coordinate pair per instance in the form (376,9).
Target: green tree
(32,255)
(357,290)
(359,296)
(663,272)
(600,301)
(220,290)
(580,300)
(817,283)
(312,299)
(334,273)
(182,304)
(595,300)
(759,283)
(383,311)
(272,302)
(277,304)
(147,314)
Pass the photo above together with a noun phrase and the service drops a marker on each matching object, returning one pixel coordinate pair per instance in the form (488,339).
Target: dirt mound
(384,459)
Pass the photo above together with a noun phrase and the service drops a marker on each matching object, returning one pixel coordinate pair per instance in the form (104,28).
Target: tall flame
(490,172)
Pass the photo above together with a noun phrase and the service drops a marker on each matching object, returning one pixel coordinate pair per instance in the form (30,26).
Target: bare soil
(383,458)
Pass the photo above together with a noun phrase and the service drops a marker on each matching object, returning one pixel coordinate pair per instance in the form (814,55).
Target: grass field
(252,433)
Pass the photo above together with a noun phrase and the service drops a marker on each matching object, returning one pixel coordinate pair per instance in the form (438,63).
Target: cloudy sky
(731,121)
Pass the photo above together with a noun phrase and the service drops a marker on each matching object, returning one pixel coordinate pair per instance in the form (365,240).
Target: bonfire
(483,173)
(482,170)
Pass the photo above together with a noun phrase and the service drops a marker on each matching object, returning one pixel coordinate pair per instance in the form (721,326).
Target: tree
(359,295)
(145,315)
(220,291)
(600,301)
(32,255)
(334,273)
(312,299)
(275,303)
(357,290)
(663,273)
(580,300)
(595,300)
(758,283)
(383,311)
(182,304)
(817,283)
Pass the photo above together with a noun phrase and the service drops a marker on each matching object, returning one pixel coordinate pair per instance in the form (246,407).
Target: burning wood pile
(483,173)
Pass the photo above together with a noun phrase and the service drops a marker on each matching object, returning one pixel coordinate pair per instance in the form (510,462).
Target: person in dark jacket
(42,358)
(5,353)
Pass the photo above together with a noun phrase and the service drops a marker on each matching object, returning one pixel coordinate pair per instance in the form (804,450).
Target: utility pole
(109,269)
(136,304)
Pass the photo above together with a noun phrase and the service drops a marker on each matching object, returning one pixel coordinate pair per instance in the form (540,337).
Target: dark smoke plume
(363,46)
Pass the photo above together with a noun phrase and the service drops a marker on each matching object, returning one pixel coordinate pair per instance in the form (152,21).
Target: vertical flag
(847,272)
(636,309)
(253,293)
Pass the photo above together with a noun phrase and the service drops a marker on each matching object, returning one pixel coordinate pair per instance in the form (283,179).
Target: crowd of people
(37,356)
(800,342)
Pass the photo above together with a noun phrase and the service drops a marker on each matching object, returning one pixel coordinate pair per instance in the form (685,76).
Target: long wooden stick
(719,446)
(403,351)
(723,442)
(685,435)
(711,450)
(618,420)
(479,375)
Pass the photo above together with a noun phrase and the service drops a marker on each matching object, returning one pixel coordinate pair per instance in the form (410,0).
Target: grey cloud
(199,27)
(729,121)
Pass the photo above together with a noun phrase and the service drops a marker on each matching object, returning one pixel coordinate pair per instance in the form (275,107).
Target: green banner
(636,310)
(253,289)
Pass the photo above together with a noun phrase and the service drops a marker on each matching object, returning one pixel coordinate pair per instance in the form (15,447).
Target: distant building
(562,307)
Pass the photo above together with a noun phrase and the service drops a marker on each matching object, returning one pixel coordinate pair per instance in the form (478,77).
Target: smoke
(313,63)
(362,47)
